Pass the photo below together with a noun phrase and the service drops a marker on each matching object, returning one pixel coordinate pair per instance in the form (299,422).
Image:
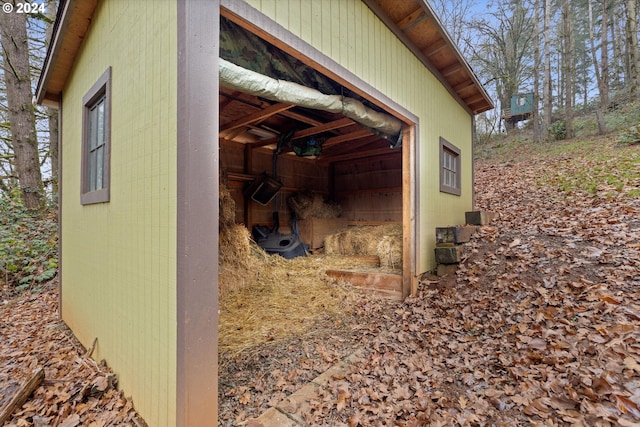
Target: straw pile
(307,204)
(227,215)
(266,297)
(384,241)
(288,298)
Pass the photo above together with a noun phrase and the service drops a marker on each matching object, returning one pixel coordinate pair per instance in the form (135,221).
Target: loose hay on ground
(287,298)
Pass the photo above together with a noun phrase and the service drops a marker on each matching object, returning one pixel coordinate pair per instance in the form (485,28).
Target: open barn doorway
(340,182)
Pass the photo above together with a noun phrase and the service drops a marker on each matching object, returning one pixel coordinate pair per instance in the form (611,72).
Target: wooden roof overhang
(415,23)
(71,24)
(242,116)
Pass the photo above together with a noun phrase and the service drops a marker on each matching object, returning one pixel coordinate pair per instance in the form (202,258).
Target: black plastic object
(286,245)
(263,189)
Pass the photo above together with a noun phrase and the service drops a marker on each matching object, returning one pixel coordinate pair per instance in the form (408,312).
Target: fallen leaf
(71,421)
(245,398)
(631,363)
(627,406)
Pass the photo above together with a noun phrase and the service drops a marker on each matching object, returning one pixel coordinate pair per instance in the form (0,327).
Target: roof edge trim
(377,10)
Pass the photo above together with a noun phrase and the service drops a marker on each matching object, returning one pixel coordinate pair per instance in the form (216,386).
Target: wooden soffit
(71,25)
(415,23)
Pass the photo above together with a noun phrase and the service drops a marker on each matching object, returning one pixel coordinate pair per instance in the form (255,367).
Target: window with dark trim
(449,168)
(96,142)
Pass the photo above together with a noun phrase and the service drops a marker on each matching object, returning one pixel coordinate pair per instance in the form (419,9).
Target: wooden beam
(434,48)
(346,137)
(336,124)
(347,148)
(254,117)
(411,19)
(23,394)
(451,69)
(301,118)
(370,191)
(358,155)
(465,85)
(409,235)
(314,130)
(473,99)
(228,100)
(383,284)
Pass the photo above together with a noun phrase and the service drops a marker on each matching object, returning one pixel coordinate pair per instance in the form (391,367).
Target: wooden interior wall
(295,174)
(370,190)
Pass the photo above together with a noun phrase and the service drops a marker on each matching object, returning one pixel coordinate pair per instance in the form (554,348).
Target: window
(96,142)
(449,168)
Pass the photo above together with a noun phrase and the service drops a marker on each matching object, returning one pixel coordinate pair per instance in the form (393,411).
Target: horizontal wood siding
(370,190)
(296,174)
(349,33)
(119,258)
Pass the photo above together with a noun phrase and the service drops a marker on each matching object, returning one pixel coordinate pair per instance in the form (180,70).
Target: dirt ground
(539,326)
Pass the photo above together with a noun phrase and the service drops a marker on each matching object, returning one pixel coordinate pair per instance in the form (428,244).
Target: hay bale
(307,204)
(390,251)
(227,215)
(234,258)
(384,241)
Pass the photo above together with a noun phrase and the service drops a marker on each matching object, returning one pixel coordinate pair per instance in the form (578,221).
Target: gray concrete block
(448,254)
(479,217)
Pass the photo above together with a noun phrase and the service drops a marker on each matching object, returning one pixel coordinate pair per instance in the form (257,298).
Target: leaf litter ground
(539,326)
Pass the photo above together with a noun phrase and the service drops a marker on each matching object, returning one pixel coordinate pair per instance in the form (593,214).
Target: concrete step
(480,217)
(455,235)
(449,254)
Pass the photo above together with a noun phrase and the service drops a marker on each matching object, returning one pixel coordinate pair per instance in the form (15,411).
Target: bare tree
(548,93)
(601,73)
(632,47)
(504,50)
(536,73)
(21,115)
(455,16)
(52,113)
(567,66)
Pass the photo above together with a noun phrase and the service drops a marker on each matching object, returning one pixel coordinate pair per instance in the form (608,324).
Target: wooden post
(23,394)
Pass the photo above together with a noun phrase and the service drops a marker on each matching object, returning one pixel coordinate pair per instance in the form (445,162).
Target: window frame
(100,89)
(454,152)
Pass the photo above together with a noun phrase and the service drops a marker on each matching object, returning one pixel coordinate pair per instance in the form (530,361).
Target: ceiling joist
(255,117)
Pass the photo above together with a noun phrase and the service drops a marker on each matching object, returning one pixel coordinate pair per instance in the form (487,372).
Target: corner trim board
(197,213)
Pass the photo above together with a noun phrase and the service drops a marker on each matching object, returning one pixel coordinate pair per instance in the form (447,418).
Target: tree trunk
(568,68)
(536,74)
(604,54)
(13,38)
(632,46)
(547,69)
(52,113)
(599,79)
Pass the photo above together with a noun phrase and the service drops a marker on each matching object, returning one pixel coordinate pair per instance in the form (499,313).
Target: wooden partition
(370,189)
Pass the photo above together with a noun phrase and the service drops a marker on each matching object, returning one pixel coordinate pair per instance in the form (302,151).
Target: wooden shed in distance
(157,106)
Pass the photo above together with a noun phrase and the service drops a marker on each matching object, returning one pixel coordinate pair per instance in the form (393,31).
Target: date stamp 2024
(24,7)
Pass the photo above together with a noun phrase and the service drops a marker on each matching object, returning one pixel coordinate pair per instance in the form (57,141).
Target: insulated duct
(235,77)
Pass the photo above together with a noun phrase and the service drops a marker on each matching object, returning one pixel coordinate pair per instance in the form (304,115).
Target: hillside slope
(539,326)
